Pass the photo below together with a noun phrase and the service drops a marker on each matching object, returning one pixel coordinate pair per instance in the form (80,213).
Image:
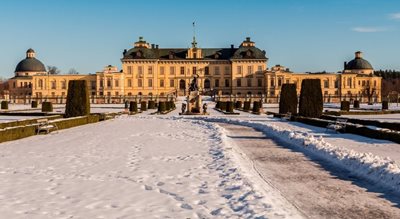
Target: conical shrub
(288,99)
(78,102)
(311,102)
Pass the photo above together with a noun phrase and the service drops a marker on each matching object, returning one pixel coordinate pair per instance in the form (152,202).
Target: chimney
(358,55)
(153,46)
(156,46)
(232,46)
(248,39)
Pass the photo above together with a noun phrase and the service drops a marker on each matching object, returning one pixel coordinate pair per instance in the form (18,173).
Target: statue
(183,108)
(193,85)
(205,108)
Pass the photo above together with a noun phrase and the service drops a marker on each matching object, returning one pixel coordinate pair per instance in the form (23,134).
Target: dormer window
(216,56)
(139,54)
(248,53)
(171,55)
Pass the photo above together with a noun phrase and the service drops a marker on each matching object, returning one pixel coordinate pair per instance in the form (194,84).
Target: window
(349,82)
(279,82)
(150,70)
(249,69)
(259,82)
(53,85)
(162,69)
(101,83)
(374,83)
(129,82)
(129,69)
(363,83)
(239,82)
(116,82)
(62,93)
(40,84)
(53,94)
(272,82)
(326,84)
(116,93)
(239,69)
(259,68)
(93,85)
(63,84)
(248,82)
(172,83)
(161,82)
(216,83)
(226,82)
(227,70)
(108,82)
(206,70)
(172,70)
(140,82)
(140,71)
(25,84)
(150,82)
(336,83)
(216,69)
(194,70)
(108,93)
(182,70)
(326,93)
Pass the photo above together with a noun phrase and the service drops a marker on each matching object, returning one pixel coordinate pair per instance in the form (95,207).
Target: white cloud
(395,16)
(369,29)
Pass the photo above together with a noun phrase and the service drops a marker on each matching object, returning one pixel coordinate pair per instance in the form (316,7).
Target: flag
(193,23)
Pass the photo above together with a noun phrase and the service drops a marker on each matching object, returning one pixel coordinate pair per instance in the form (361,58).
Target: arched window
(182,84)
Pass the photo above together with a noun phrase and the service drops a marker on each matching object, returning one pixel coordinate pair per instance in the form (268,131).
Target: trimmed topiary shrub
(345,106)
(385,105)
(34,104)
(217,106)
(162,107)
(356,104)
(168,105)
(238,104)
(47,107)
(78,102)
(133,107)
(288,99)
(222,105)
(143,106)
(256,107)
(246,106)
(4,105)
(152,104)
(311,100)
(229,107)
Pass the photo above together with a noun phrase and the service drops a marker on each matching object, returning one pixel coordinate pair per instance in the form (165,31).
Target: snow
(149,167)
(4,119)
(170,166)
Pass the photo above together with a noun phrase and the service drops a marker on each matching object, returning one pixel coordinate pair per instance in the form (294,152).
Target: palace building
(148,69)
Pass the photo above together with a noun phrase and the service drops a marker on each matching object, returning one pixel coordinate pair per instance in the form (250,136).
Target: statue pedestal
(194,104)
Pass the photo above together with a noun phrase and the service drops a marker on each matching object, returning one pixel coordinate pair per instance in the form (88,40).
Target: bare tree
(73,71)
(53,70)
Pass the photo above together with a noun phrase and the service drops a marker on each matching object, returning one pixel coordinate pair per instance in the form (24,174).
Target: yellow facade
(150,70)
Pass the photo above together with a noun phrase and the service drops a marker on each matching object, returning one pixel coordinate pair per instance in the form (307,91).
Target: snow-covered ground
(148,167)
(168,166)
(15,118)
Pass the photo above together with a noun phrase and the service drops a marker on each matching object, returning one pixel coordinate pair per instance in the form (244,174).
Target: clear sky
(307,35)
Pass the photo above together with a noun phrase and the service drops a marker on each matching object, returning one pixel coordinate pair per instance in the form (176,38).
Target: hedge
(4,105)
(26,122)
(385,105)
(133,107)
(246,106)
(151,104)
(162,107)
(47,107)
(34,104)
(229,107)
(345,106)
(222,105)
(143,106)
(256,107)
(356,104)
(238,104)
(288,99)
(311,100)
(78,102)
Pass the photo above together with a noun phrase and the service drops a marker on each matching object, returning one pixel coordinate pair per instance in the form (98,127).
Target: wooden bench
(44,125)
(287,116)
(339,124)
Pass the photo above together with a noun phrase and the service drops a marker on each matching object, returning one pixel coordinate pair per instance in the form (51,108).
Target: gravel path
(317,189)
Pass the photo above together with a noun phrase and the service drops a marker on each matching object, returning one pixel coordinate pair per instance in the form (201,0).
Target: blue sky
(309,35)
